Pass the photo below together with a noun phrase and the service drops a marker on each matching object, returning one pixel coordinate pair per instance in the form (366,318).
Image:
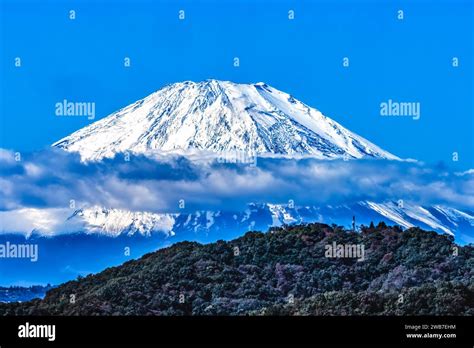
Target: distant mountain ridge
(22,294)
(208,225)
(262,216)
(219,116)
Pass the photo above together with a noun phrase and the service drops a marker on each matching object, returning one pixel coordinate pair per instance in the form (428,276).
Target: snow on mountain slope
(219,116)
(207,226)
(93,220)
(114,222)
(409,215)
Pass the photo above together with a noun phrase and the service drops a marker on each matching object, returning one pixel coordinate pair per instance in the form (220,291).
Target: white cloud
(51,179)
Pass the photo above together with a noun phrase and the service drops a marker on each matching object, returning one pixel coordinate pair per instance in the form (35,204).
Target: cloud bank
(54,178)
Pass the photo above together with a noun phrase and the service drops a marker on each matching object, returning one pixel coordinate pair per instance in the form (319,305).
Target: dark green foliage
(282,272)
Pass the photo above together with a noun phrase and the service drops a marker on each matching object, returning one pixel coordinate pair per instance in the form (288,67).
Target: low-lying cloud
(54,178)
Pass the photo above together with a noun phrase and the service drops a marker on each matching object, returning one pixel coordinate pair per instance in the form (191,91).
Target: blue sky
(408,60)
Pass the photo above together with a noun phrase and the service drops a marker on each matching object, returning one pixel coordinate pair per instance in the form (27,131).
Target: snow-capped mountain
(207,226)
(212,225)
(114,222)
(219,116)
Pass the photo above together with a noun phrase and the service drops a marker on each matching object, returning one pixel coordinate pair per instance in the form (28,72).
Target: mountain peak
(219,116)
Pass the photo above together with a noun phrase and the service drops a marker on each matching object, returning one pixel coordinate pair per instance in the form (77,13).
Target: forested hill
(286,271)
